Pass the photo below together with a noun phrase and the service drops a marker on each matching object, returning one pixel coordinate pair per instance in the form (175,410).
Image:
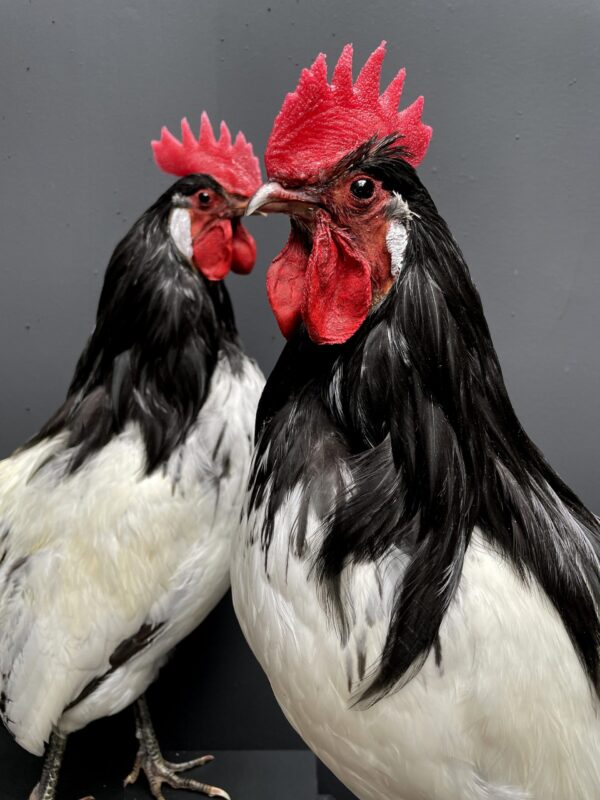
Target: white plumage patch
(396,241)
(180,228)
(397,235)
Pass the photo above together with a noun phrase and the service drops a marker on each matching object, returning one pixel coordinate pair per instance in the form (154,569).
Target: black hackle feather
(159,329)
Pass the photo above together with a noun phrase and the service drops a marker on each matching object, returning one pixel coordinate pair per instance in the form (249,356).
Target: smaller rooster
(116,519)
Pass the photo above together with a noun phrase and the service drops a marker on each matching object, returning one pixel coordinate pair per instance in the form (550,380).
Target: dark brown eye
(203,198)
(362,188)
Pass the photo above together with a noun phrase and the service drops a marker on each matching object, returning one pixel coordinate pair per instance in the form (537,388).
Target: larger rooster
(419,585)
(116,519)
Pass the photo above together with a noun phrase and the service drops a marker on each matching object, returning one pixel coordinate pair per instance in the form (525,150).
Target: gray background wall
(513,92)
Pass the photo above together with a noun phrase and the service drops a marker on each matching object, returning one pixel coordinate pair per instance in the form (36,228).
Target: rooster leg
(156,768)
(46,787)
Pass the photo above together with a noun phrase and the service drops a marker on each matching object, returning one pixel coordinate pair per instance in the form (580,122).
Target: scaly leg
(156,768)
(46,788)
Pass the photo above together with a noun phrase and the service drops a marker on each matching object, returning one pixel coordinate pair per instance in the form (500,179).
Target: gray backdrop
(512,90)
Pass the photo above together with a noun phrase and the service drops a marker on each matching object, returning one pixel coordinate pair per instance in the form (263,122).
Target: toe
(185,765)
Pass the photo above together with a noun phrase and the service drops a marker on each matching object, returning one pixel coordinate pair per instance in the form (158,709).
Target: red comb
(322,122)
(234,165)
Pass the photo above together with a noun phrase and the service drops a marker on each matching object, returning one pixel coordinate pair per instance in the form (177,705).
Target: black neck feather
(159,329)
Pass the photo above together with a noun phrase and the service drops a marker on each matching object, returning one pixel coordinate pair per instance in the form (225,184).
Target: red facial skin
(220,242)
(331,277)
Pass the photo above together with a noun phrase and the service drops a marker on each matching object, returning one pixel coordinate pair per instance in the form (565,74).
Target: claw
(216,792)
(135,772)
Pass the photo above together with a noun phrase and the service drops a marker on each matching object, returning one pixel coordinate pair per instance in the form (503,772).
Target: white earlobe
(396,241)
(180,229)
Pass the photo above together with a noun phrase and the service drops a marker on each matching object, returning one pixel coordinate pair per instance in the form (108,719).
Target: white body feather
(90,558)
(508,714)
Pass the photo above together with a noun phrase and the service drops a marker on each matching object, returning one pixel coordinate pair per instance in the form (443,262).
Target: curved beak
(273,198)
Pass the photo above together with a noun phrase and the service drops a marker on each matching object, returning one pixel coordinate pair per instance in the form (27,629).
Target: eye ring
(204,198)
(362,188)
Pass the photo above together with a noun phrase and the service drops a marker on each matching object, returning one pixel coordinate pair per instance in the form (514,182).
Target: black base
(246,775)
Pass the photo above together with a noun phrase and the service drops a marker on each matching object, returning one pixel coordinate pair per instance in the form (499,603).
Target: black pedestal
(245,774)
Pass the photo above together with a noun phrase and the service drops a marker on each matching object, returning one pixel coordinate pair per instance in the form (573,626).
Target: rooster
(116,519)
(419,585)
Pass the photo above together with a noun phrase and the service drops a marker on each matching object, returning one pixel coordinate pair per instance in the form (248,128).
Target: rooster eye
(204,198)
(362,188)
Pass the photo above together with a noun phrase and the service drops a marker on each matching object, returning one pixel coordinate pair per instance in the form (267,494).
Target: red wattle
(285,285)
(244,251)
(213,250)
(337,294)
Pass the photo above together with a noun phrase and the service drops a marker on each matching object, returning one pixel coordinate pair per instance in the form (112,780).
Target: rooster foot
(157,769)
(45,789)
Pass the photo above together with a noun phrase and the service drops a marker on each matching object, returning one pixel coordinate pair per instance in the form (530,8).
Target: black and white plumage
(420,587)
(116,519)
